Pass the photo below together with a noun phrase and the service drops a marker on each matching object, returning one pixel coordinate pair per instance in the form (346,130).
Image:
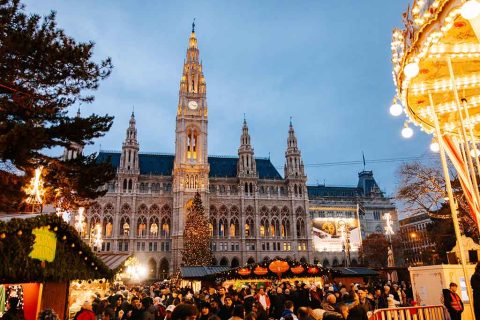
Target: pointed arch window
(285,228)
(263,228)
(222,227)
(142,226)
(108,226)
(94,221)
(249,227)
(192,144)
(234,228)
(165,227)
(153,226)
(212,224)
(300,228)
(125,226)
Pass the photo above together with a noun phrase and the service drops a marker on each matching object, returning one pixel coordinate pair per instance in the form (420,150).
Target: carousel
(436,71)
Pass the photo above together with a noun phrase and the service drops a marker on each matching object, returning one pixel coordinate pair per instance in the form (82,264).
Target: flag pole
(452,203)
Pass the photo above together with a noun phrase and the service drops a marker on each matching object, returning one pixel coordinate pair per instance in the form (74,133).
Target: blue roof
(162,164)
(322,191)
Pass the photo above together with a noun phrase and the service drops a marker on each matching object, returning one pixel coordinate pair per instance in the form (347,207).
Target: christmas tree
(45,76)
(197,239)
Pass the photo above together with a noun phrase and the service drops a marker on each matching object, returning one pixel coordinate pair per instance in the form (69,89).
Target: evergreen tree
(197,239)
(43,74)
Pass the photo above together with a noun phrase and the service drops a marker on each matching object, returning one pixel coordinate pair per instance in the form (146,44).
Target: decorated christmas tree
(197,239)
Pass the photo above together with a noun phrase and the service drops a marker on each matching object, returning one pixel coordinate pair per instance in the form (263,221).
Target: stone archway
(235,262)
(164,269)
(152,269)
(224,261)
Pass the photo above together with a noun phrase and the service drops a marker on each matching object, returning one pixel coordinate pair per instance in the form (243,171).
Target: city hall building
(254,212)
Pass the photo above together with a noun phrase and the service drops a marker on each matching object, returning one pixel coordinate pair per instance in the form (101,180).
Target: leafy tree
(422,190)
(374,250)
(43,73)
(197,239)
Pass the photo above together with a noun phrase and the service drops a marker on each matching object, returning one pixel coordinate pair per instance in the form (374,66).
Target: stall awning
(201,271)
(113,260)
(357,272)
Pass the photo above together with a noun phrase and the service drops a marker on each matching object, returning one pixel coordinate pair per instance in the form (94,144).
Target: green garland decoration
(74,260)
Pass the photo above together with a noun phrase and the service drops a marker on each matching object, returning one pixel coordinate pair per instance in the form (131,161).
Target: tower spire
(193,26)
(293,159)
(246,161)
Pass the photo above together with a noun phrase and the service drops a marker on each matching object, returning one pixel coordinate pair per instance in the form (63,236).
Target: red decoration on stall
(259,271)
(244,271)
(278,267)
(297,269)
(313,270)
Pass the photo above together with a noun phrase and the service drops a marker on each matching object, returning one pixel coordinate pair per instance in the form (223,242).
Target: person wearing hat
(85,312)
(168,312)
(453,302)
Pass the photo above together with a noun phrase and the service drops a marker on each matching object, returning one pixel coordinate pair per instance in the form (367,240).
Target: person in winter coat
(453,302)
(475,282)
(288,311)
(13,312)
(263,298)
(85,312)
(277,301)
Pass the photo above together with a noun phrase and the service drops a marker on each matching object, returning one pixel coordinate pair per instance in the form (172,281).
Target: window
(138,246)
(286,246)
(376,215)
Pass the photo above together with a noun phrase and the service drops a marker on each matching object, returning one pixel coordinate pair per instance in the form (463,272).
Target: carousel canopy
(44,248)
(201,272)
(436,65)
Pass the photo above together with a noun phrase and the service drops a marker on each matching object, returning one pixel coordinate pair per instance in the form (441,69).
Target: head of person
(118,300)
(157,301)
(279,290)
(87,305)
(146,302)
(228,301)
(289,305)
(169,310)
(303,313)
(214,304)
(453,286)
(362,294)
(331,299)
(135,302)
(261,291)
(251,316)
(238,311)
(386,289)
(378,292)
(12,303)
(317,314)
(205,309)
(221,291)
(184,311)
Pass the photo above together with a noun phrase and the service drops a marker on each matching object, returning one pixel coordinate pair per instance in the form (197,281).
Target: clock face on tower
(192,105)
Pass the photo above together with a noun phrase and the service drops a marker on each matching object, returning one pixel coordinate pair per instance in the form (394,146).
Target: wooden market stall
(41,255)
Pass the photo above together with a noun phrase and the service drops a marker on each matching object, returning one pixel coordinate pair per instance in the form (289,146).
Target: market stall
(41,255)
(266,272)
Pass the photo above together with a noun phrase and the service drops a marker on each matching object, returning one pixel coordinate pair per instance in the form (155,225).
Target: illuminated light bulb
(411,70)
(396,109)
(470,9)
(473,152)
(407,132)
(434,146)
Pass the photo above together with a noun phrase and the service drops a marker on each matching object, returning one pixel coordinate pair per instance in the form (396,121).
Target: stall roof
(201,271)
(356,272)
(113,260)
(73,258)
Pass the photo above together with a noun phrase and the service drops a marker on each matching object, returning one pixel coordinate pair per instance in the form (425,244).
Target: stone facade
(254,212)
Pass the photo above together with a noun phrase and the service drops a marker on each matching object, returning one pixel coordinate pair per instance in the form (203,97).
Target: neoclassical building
(254,212)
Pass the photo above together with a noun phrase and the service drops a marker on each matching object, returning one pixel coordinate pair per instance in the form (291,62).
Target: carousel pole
(473,175)
(453,204)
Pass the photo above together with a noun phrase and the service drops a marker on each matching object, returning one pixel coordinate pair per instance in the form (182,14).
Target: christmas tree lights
(197,240)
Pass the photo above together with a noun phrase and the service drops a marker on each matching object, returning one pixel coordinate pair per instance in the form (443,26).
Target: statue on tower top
(193,26)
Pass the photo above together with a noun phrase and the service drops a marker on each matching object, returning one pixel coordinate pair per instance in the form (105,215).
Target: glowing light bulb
(470,9)
(434,147)
(411,70)
(396,109)
(473,152)
(407,132)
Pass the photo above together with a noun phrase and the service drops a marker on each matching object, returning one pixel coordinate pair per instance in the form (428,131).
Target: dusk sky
(325,63)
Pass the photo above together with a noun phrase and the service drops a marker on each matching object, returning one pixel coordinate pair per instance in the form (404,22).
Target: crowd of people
(260,301)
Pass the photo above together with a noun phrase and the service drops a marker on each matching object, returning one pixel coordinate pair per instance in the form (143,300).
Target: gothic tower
(129,167)
(74,149)
(191,168)
(246,167)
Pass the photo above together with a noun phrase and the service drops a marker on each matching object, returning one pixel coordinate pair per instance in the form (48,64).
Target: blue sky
(325,63)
